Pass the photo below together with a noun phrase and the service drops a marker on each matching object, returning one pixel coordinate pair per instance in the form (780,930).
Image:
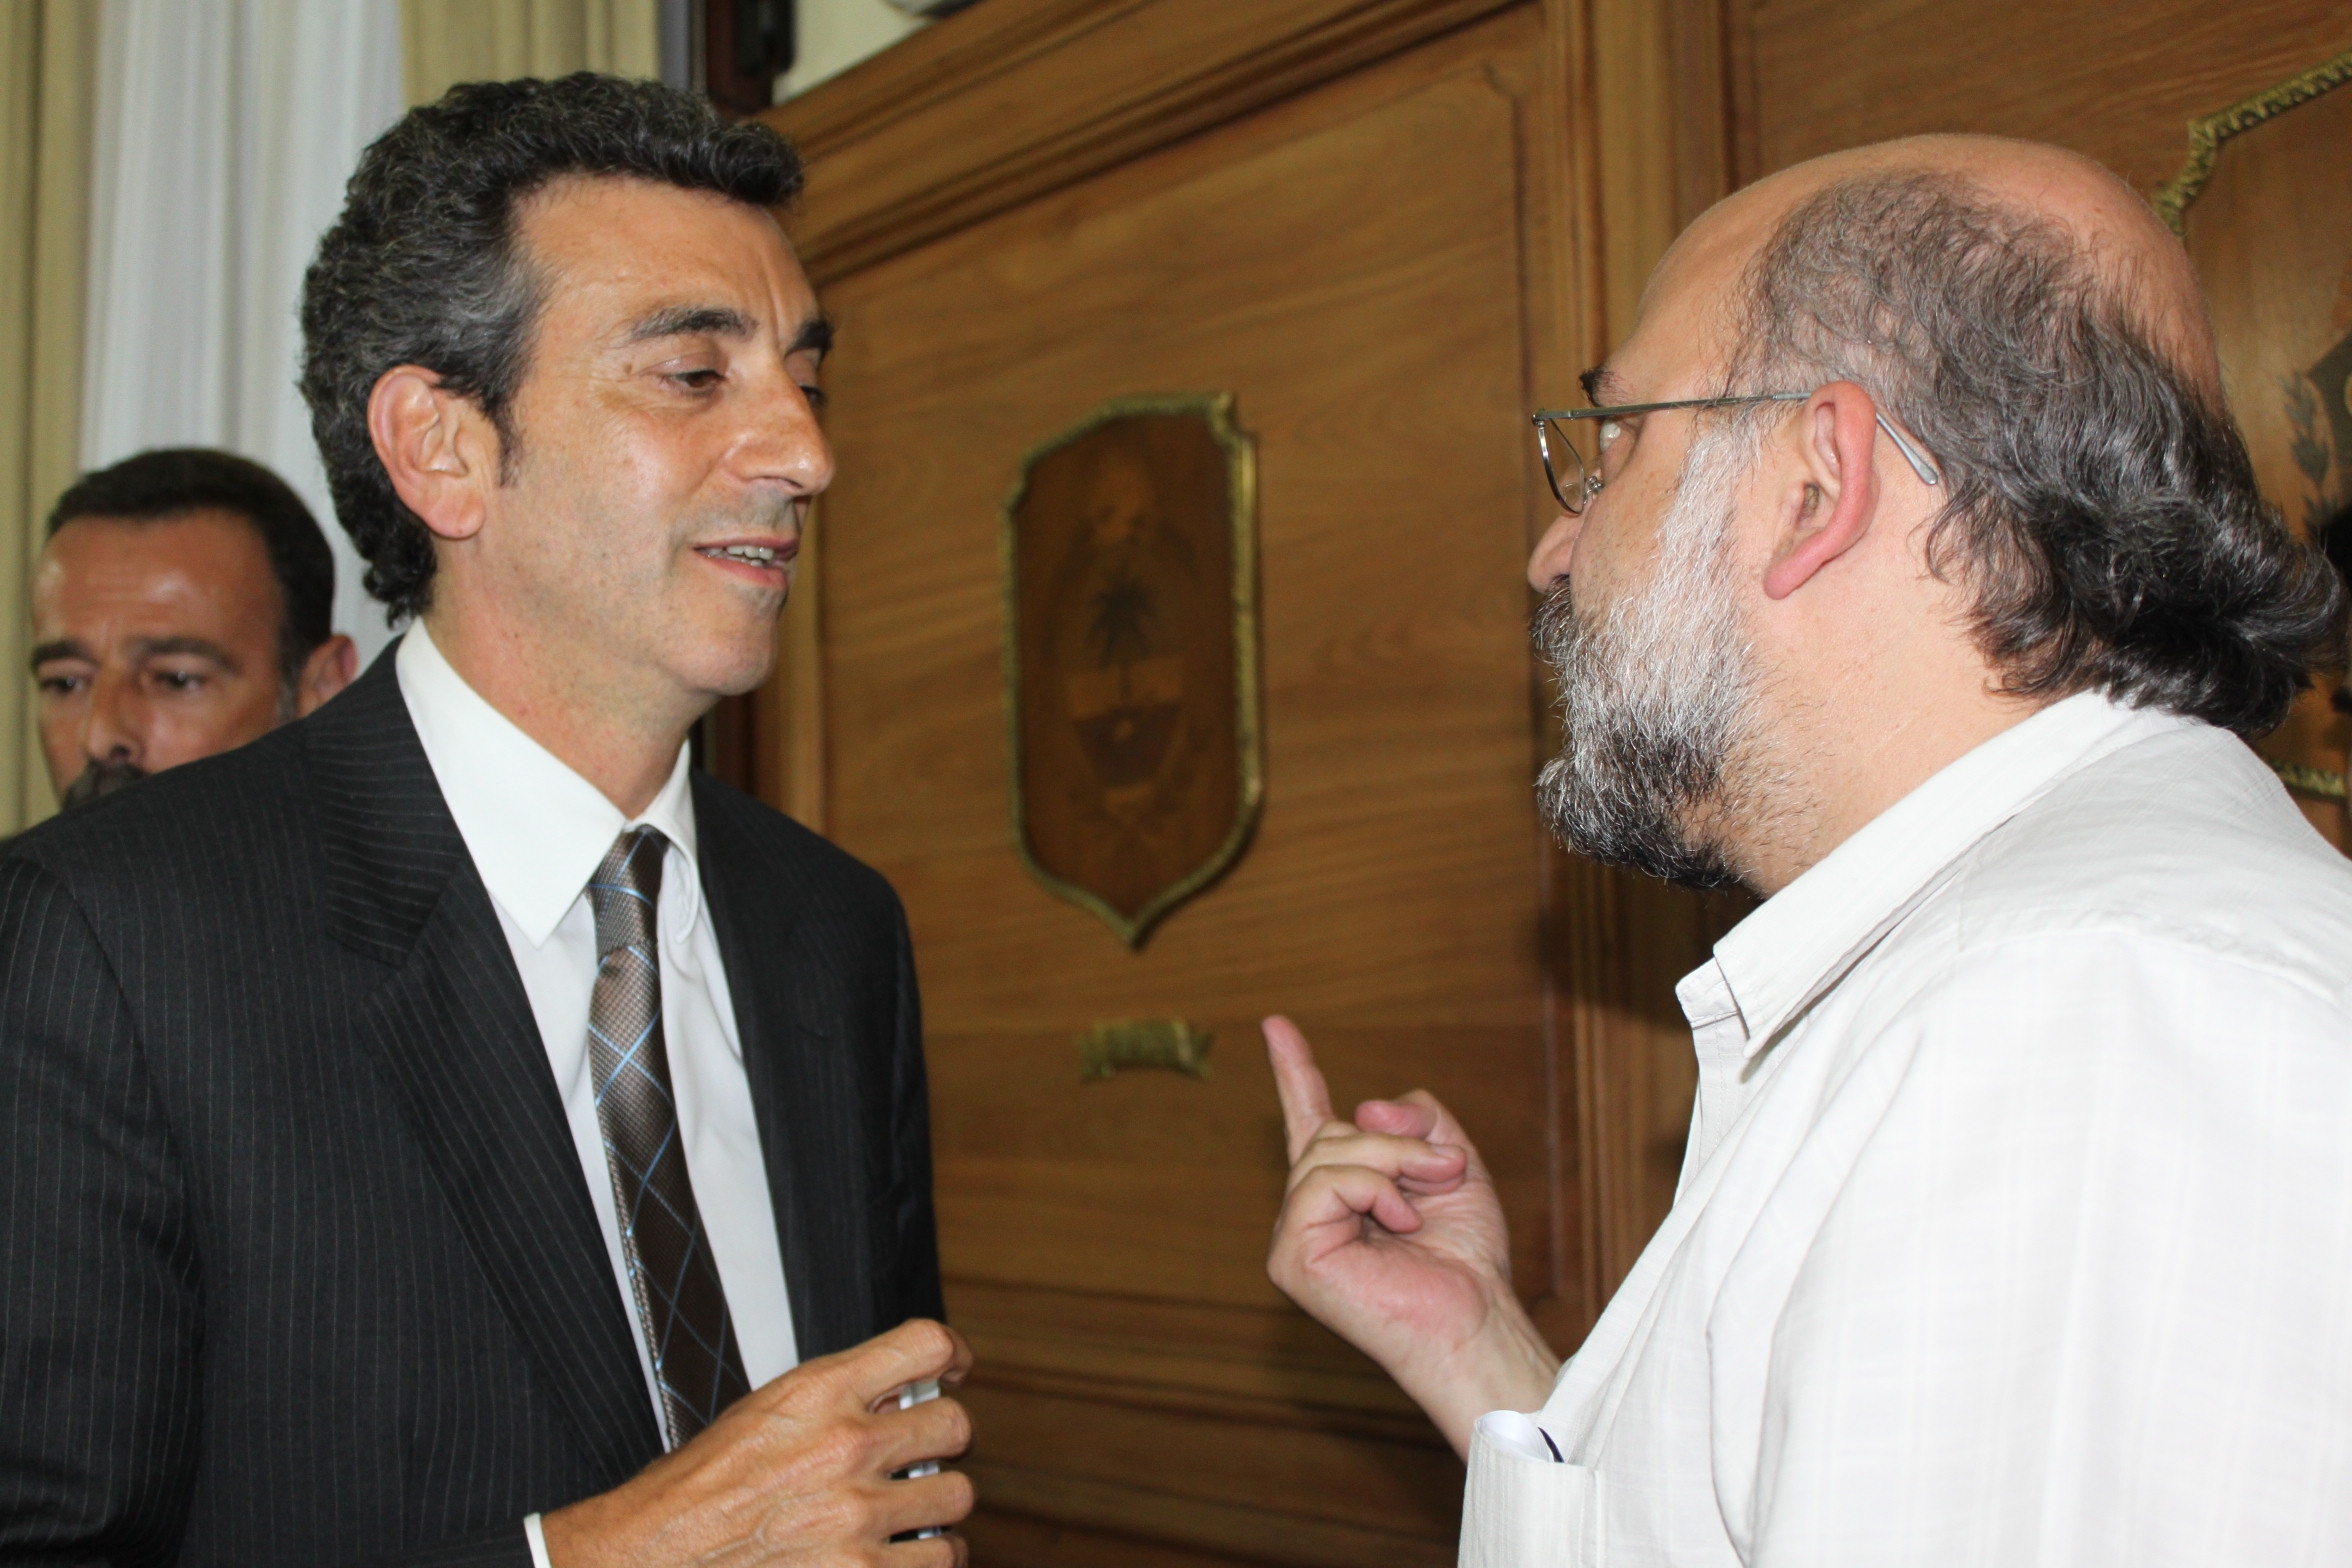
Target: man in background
(181,607)
(450,1130)
(1914,577)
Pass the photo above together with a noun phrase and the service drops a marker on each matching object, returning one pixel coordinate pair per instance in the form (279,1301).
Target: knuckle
(840,1448)
(815,1384)
(930,1339)
(848,1513)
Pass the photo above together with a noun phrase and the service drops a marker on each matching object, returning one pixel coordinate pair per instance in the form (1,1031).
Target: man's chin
(733,665)
(1630,823)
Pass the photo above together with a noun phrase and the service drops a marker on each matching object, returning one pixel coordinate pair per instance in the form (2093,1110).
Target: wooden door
(1362,221)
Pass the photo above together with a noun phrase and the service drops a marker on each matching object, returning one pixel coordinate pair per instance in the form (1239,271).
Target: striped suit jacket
(297,1260)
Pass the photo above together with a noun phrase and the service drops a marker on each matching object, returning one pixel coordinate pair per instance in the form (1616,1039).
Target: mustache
(102,777)
(1553,628)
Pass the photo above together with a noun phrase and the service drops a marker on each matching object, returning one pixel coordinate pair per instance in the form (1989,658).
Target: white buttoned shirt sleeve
(2016,1223)
(536,830)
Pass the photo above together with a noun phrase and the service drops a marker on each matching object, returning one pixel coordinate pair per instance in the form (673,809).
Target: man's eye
(815,395)
(696,380)
(178,680)
(1617,439)
(61,685)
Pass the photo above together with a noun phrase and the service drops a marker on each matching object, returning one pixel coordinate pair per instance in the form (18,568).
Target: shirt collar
(1805,937)
(536,830)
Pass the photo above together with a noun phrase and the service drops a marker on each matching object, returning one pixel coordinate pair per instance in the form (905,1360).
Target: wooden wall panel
(961,122)
(2120,82)
(1352,263)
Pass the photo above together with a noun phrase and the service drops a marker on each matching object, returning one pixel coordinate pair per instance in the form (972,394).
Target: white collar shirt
(2015,1224)
(536,830)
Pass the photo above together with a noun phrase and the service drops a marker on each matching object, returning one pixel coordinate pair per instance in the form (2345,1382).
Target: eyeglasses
(1575,496)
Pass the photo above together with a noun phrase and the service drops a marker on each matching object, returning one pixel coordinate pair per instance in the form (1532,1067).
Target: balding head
(2025,315)
(1960,443)
(2124,252)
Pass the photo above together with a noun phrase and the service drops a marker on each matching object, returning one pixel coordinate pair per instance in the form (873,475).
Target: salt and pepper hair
(1659,690)
(422,267)
(2097,503)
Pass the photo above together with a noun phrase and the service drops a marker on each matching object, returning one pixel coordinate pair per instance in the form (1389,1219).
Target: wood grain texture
(1387,267)
(947,131)
(1350,264)
(2119,82)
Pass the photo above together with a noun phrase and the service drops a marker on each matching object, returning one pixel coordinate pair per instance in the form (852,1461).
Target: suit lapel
(453,1032)
(802,1088)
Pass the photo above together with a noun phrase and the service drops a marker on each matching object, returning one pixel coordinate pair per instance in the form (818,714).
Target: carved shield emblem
(1131,656)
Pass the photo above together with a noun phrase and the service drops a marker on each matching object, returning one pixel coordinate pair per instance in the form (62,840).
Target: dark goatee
(99,778)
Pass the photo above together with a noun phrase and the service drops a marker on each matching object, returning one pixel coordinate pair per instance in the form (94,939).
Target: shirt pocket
(1529,1513)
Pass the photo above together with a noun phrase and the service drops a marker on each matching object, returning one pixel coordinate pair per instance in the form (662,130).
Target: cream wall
(837,34)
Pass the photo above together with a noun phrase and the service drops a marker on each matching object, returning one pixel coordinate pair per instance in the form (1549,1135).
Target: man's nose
(1549,563)
(114,726)
(785,443)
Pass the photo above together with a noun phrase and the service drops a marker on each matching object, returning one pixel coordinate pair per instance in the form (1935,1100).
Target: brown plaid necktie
(672,1275)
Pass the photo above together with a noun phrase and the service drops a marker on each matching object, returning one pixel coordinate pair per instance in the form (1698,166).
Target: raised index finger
(1306,1103)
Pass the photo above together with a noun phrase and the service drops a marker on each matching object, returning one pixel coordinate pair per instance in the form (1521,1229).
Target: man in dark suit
(447,1130)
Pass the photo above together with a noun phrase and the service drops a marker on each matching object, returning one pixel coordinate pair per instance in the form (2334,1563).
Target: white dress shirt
(2015,1225)
(536,831)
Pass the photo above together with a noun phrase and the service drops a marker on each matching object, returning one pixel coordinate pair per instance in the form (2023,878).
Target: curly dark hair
(2101,505)
(169,481)
(422,267)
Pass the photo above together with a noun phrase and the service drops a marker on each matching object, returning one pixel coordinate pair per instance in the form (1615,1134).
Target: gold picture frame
(2207,135)
(1215,411)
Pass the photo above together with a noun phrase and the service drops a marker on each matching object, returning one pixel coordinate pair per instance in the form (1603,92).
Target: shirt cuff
(538,1539)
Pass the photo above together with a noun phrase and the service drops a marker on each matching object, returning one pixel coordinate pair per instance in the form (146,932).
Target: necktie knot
(626,890)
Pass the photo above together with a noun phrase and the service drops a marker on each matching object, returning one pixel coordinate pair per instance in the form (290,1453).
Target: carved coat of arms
(1131,656)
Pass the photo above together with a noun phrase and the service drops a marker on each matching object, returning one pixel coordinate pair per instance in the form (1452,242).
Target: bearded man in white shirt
(1920,588)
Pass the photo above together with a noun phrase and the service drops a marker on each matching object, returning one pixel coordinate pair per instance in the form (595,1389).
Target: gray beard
(1657,694)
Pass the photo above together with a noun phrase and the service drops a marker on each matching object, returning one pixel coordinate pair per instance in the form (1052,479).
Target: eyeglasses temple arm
(1919,464)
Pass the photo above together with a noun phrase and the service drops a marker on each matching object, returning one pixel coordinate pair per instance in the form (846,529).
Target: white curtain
(225,132)
(450,41)
(48,66)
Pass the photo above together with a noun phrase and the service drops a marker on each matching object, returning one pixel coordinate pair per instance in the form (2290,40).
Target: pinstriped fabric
(299,1262)
(672,1273)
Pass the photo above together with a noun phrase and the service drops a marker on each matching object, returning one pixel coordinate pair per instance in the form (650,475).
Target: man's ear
(328,670)
(1840,495)
(440,450)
